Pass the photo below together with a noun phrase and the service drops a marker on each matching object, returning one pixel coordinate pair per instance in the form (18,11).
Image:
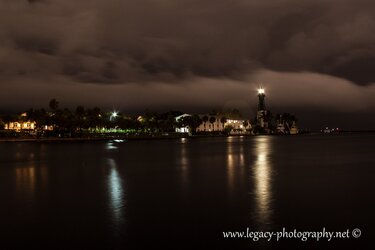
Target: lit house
(219,123)
(24,125)
(211,123)
(18,126)
(238,126)
(183,128)
(21,124)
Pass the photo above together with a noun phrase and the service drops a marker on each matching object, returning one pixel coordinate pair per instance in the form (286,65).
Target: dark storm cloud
(113,41)
(34,1)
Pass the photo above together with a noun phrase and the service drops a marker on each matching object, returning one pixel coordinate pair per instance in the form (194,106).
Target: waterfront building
(220,123)
(214,123)
(286,124)
(211,123)
(19,125)
(24,124)
(238,126)
(182,128)
(293,129)
(280,128)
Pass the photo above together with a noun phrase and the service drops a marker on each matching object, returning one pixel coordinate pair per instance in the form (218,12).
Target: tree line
(75,122)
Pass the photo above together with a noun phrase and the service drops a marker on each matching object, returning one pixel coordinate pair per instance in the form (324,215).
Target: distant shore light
(114,114)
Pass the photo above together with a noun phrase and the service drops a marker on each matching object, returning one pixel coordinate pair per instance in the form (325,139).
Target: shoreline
(109,138)
(163,137)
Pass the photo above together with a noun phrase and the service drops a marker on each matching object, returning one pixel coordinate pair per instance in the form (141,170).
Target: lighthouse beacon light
(261,91)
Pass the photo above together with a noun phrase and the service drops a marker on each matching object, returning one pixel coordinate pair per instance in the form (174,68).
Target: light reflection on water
(230,163)
(263,179)
(26,181)
(235,160)
(116,194)
(184,163)
(47,187)
(111,146)
(31,174)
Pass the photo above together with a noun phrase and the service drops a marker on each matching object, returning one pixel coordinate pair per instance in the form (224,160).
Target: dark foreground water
(183,194)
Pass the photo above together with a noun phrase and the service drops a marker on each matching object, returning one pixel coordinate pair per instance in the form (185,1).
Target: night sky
(315,58)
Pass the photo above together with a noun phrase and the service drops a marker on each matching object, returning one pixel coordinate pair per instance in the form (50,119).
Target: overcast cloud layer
(188,53)
(114,41)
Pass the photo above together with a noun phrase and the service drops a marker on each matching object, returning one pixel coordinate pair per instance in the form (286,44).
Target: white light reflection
(26,181)
(262,179)
(242,158)
(111,146)
(184,163)
(230,164)
(116,194)
(235,162)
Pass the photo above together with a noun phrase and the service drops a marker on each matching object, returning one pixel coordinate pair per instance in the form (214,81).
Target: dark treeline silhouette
(65,122)
(56,121)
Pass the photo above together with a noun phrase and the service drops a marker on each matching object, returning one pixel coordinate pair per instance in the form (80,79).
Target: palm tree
(67,121)
(80,117)
(212,120)
(204,120)
(288,119)
(192,122)
(196,122)
(8,118)
(245,124)
(94,118)
(39,116)
(54,104)
(55,116)
(223,120)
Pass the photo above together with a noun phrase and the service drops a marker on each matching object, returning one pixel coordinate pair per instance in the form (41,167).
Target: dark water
(182,194)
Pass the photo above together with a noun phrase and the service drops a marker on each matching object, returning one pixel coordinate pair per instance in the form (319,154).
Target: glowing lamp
(261,91)
(114,114)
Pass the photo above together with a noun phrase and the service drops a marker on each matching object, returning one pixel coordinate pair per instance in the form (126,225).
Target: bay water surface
(187,193)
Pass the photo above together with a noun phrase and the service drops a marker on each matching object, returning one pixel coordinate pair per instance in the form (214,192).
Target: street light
(114,114)
(261,91)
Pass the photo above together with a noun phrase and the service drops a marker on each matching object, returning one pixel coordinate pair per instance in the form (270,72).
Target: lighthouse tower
(262,111)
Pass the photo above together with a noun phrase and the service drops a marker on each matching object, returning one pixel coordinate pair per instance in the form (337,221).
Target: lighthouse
(262,111)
